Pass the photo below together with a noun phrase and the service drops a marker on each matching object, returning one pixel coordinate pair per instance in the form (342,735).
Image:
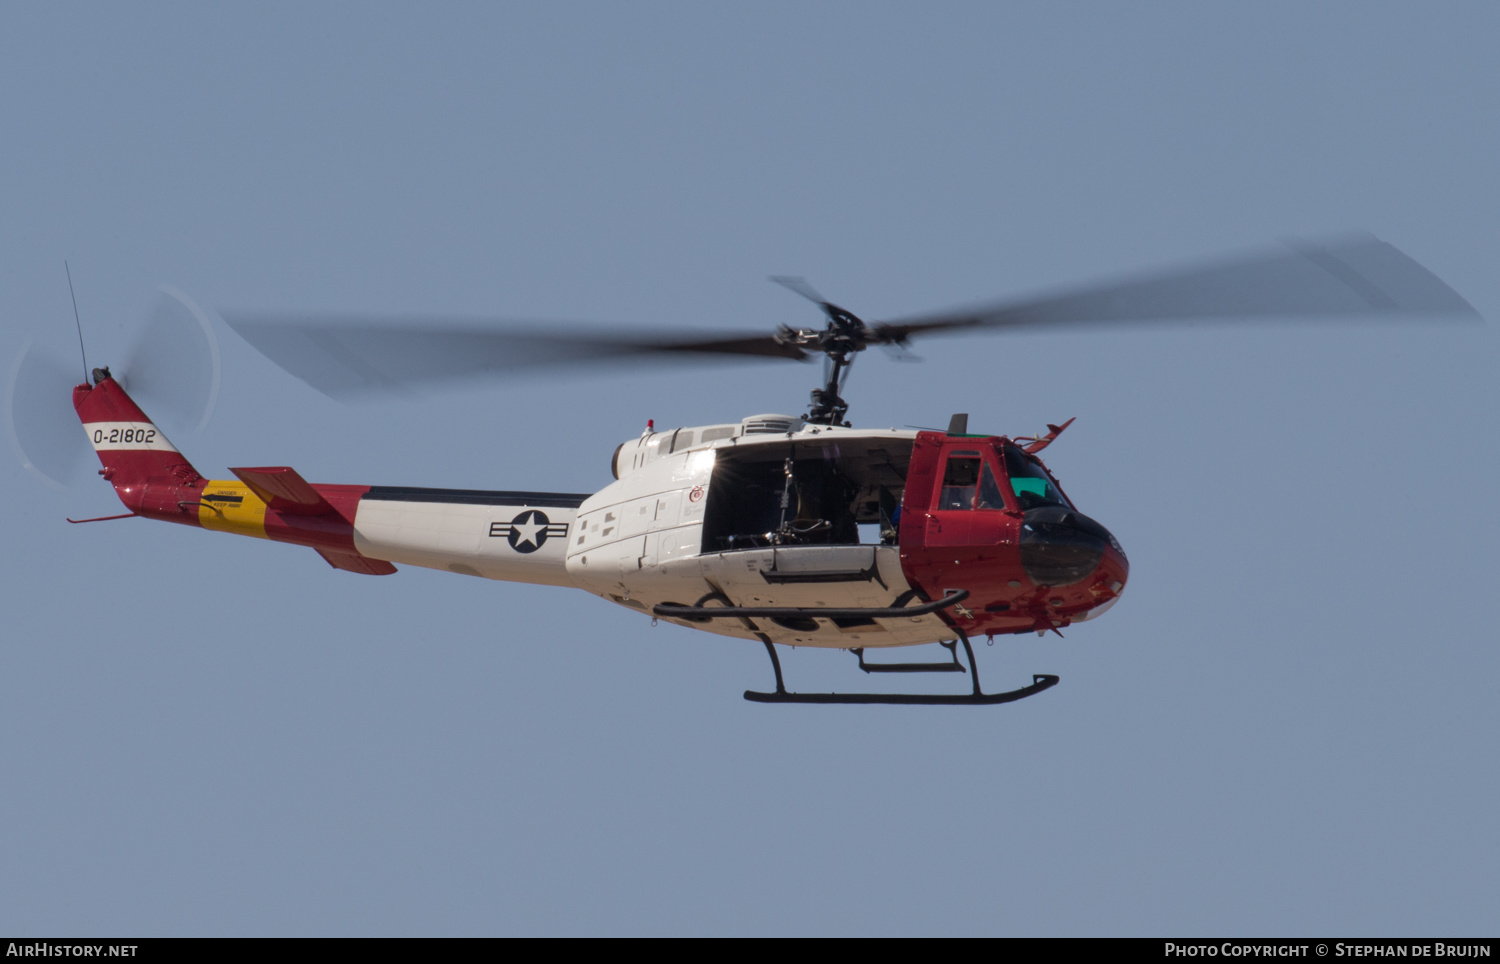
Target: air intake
(770,425)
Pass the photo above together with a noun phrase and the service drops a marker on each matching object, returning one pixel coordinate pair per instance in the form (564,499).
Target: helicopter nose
(1061,546)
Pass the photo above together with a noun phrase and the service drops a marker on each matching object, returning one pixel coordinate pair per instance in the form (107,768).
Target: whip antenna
(77,321)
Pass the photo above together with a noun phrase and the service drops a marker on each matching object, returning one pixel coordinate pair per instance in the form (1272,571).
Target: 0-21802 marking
(125,436)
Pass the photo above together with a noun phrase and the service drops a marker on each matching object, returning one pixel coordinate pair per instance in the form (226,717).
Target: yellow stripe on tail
(232,507)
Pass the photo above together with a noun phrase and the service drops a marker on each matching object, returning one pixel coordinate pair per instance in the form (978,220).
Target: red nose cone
(1046,569)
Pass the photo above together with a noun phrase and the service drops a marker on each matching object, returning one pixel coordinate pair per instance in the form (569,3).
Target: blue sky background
(1286,727)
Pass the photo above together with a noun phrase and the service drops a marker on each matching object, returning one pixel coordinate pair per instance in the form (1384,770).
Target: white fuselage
(640,540)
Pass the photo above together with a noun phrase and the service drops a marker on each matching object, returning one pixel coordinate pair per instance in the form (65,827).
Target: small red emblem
(696,495)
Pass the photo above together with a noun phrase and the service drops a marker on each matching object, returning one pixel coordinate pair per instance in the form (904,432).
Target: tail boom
(244,508)
(154,480)
(512,536)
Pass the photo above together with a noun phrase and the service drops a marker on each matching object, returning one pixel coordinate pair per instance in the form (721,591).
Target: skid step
(947,666)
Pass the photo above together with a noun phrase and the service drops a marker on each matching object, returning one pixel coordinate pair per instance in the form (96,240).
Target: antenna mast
(77,321)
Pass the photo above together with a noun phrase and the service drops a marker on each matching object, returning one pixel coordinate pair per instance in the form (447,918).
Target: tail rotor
(173,368)
(39,413)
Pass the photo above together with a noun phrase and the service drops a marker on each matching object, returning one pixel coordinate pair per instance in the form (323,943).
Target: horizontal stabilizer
(281,488)
(353,561)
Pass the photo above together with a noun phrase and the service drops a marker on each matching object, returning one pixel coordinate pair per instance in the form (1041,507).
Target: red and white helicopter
(792,530)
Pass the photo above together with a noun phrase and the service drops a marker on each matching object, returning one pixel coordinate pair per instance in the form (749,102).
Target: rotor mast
(839,342)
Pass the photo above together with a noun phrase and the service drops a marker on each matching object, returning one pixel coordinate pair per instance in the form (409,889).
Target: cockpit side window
(989,490)
(960,480)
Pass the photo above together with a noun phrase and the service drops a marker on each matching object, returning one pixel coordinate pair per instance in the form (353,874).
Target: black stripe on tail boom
(545,500)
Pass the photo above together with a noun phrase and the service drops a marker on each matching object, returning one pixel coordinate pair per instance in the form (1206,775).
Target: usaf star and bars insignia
(528,531)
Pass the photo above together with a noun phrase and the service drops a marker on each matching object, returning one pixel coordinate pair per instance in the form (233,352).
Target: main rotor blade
(347,357)
(1357,276)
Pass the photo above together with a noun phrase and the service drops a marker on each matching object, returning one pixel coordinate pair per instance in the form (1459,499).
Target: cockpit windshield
(1029,481)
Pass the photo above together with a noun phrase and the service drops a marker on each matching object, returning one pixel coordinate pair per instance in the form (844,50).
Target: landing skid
(1039,682)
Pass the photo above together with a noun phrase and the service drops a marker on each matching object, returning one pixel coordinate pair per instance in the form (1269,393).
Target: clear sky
(1286,727)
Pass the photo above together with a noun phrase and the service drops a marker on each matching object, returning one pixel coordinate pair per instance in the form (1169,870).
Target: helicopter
(787,530)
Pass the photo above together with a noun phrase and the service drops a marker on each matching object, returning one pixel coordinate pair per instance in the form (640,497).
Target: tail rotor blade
(174,369)
(43,426)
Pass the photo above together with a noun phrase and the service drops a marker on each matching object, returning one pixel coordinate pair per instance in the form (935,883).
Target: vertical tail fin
(150,476)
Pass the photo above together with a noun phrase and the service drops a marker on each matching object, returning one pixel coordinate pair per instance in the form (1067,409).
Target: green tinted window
(1029,481)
